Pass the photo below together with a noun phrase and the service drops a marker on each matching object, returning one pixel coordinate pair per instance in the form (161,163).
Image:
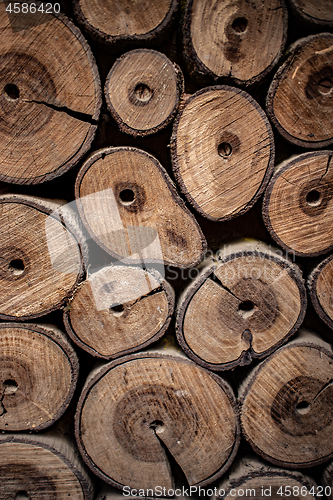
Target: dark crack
(214,278)
(84,117)
(328,384)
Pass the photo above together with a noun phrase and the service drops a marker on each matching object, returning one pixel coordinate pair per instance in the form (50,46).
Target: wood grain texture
(147,403)
(118,310)
(222,151)
(327,480)
(319,12)
(41,467)
(38,375)
(320,283)
(132,210)
(242,307)
(142,91)
(238,40)
(286,404)
(253,476)
(42,260)
(297,207)
(114,21)
(299,101)
(50,98)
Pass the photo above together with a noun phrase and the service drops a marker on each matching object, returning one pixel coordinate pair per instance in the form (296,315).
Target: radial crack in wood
(299,101)
(118,310)
(116,195)
(222,151)
(294,402)
(142,91)
(297,207)
(143,399)
(243,307)
(239,40)
(50,98)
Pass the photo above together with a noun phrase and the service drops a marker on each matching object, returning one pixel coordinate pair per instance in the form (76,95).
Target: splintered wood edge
(85,146)
(108,40)
(305,338)
(197,69)
(312,287)
(101,370)
(74,229)
(60,447)
(291,53)
(95,156)
(58,338)
(170,296)
(266,200)
(186,297)
(175,166)
(137,132)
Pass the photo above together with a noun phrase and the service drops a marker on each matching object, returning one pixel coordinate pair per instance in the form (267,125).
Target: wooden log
(327,481)
(38,375)
(286,404)
(132,210)
(142,91)
(222,151)
(42,467)
(251,477)
(316,13)
(41,257)
(126,22)
(138,410)
(50,99)
(237,40)
(320,283)
(299,99)
(297,207)
(118,310)
(242,307)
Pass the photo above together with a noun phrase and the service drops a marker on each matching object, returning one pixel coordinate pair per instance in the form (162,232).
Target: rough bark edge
(59,339)
(327,478)
(170,296)
(109,40)
(63,449)
(197,69)
(85,146)
(265,206)
(292,52)
(102,370)
(311,21)
(138,132)
(169,184)
(305,338)
(249,355)
(47,207)
(175,166)
(312,288)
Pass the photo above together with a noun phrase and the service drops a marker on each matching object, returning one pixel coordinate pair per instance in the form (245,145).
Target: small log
(287,403)
(234,39)
(297,207)
(136,411)
(251,477)
(243,307)
(38,376)
(50,98)
(320,283)
(299,99)
(222,151)
(142,91)
(126,22)
(132,210)
(327,481)
(315,13)
(42,467)
(118,310)
(41,257)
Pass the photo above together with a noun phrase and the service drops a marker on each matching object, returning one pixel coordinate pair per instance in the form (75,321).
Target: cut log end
(320,284)
(142,91)
(319,12)
(157,405)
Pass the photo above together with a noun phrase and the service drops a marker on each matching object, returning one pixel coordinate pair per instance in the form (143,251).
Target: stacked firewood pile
(166,271)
